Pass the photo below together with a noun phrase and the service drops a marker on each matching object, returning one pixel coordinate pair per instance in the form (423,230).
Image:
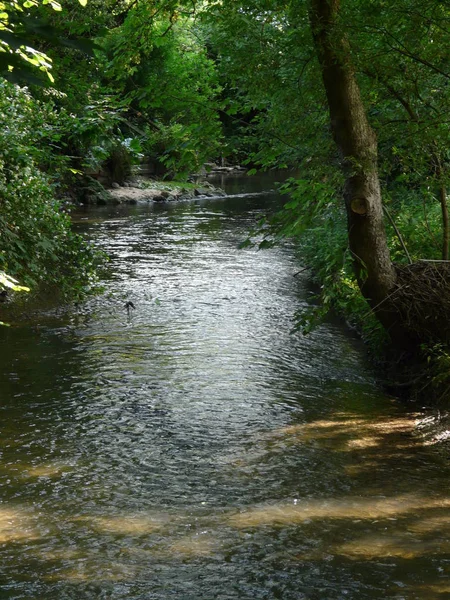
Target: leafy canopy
(19,27)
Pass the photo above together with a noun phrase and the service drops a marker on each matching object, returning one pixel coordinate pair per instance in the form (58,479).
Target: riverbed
(172,438)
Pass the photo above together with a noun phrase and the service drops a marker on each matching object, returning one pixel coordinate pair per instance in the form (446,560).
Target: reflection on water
(194,448)
(344,508)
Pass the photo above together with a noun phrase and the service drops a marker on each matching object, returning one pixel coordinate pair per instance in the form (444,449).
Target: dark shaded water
(196,449)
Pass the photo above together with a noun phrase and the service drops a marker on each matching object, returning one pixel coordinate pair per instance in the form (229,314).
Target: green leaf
(11,283)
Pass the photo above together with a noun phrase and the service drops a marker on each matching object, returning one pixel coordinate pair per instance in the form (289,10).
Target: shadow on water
(195,449)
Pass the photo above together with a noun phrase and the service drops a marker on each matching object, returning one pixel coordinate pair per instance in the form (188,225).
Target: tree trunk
(444,208)
(357,145)
(445,222)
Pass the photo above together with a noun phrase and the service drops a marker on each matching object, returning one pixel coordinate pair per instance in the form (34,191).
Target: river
(193,448)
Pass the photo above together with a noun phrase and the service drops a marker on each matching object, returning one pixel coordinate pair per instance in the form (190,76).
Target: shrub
(37,244)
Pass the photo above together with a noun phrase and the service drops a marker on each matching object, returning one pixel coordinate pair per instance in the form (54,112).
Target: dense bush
(37,245)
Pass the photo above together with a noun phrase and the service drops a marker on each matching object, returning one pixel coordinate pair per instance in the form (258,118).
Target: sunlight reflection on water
(194,448)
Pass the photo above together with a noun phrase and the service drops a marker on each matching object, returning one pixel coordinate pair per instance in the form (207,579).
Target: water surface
(193,448)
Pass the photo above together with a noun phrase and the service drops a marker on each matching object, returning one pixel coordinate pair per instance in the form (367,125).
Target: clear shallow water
(195,449)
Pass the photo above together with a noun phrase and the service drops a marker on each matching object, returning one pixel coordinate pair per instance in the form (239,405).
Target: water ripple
(192,447)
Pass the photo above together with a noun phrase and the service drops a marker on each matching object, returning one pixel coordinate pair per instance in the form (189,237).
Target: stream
(192,447)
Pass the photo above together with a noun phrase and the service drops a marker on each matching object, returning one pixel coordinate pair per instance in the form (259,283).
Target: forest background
(99,84)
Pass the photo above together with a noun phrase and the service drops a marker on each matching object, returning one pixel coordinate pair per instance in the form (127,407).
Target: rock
(203,191)
(115,186)
(223,169)
(209,191)
(237,169)
(137,192)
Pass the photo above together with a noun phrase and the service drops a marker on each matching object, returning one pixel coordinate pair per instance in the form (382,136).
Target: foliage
(170,85)
(37,244)
(267,69)
(438,358)
(19,25)
(400,54)
(8,282)
(150,82)
(109,107)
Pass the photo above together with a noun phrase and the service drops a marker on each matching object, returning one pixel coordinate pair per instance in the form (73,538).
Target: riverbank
(143,191)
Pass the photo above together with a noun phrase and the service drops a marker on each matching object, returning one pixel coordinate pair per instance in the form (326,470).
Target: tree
(20,59)
(36,241)
(386,85)
(357,145)
(410,307)
(157,59)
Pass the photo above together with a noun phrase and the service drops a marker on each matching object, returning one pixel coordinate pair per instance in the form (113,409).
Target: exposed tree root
(417,362)
(422,299)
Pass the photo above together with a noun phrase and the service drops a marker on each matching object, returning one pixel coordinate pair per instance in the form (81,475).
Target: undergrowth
(37,244)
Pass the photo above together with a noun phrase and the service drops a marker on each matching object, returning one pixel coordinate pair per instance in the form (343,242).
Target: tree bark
(444,208)
(445,222)
(358,148)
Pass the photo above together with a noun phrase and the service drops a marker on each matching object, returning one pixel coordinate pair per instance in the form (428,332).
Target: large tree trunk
(357,145)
